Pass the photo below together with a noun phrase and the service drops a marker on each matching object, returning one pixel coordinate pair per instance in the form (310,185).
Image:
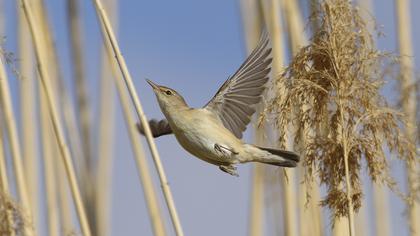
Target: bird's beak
(154,86)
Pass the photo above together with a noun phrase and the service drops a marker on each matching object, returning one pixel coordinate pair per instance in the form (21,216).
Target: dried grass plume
(332,99)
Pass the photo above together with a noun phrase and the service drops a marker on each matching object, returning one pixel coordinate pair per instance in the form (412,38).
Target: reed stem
(58,131)
(409,103)
(11,128)
(141,116)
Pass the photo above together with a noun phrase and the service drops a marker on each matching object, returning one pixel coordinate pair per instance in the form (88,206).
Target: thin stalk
(274,22)
(48,144)
(45,81)
(346,169)
(141,116)
(64,202)
(252,20)
(256,215)
(106,134)
(84,119)
(28,114)
(75,33)
(341,226)
(295,31)
(381,205)
(408,95)
(4,182)
(362,221)
(294,24)
(309,211)
(69,118)
(11,128)
(154,210)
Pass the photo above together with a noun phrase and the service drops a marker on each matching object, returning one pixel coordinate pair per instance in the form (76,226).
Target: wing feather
(235,101)
(158,128)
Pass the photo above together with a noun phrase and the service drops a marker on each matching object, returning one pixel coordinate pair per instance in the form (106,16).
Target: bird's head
(169,99)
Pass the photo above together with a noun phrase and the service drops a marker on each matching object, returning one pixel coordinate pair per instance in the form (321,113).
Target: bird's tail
(272,156)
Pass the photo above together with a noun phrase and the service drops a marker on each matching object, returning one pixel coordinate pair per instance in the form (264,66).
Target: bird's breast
(198,132)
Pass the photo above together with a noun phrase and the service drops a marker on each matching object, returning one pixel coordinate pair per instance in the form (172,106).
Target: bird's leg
(225,151)
(230,169)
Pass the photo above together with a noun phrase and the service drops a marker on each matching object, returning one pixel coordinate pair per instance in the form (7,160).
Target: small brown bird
(213,133)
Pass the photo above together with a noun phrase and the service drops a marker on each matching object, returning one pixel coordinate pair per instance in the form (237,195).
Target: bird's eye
(168,92)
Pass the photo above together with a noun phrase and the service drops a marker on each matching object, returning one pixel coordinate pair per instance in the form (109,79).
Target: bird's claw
(230,169)
(224,150)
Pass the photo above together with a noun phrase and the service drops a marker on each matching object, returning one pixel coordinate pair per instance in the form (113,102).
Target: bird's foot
(225,151)
(230,169)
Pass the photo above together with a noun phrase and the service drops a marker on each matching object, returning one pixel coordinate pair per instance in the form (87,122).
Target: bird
(213,133)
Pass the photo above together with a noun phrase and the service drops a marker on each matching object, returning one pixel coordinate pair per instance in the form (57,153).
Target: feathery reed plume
(308,195)
(408,102)
(380,193)
(106,134)
(12,134)
(58,131)
(110,36)
(337,80)
(12,219)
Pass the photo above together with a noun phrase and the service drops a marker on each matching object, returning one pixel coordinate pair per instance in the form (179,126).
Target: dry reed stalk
(154,210)
(48,153)
(341,227)
(88,163)
(59,173)
(382,211)
(2,19)
(153,207)
(107,28)
(70,123)
(408,101)
(252,22)
(12,134)
(6,216)
(309,210)
(295,32)
(67,226)
(105,134)
(294,25)
(28,115)
(4,181)
(76,44)
(58,131)
(334,84)
(378,191)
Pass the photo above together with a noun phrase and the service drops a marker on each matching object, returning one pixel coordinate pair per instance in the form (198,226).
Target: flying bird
(213,133)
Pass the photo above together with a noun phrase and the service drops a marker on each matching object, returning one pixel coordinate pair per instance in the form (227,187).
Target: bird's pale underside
(213,133)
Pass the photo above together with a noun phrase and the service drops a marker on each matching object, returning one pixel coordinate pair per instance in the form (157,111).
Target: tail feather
(283,153)
(273,156)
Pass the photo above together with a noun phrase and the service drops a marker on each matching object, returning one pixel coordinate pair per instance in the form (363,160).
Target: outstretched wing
(235,101)
(158,128)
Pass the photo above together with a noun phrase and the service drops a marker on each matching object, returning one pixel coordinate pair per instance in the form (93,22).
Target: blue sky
(191,46)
